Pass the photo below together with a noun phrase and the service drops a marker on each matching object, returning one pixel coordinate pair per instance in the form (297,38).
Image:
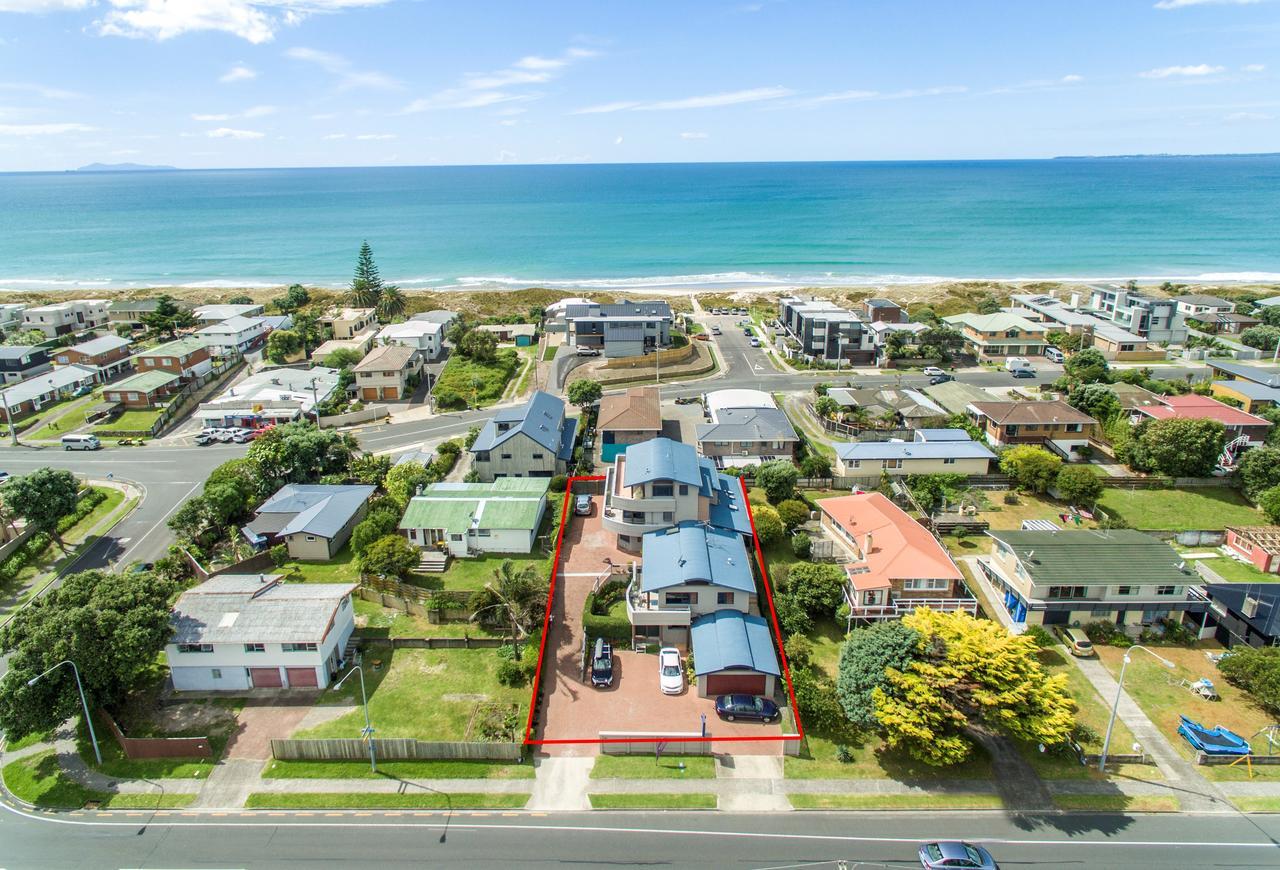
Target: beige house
(349,322)
(1051,424)
(1000,334)
(314,521)
(628,419)
(386,372)
(934,451)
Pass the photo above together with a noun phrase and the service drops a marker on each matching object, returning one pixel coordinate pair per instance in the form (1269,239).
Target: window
(133,397)
(950,460)
(1166,590)
(933,584)
(311,537)
(483,533)
(681,598)
(893,463)
(255,647)
(1073,427)
(482,456)
(298,647)
(455,537)
(535,456)
(684,489)
(668,516)
(1067,592)
(659,490)
(1126,590)
(506,455)
(150,362)
(724,598)
(216,673)
(857,463)
(195,647)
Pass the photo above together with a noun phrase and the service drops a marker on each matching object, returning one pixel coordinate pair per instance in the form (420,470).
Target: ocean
(648,225)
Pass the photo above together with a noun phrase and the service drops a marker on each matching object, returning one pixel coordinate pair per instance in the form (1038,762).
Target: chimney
(1075,300)
(866,550)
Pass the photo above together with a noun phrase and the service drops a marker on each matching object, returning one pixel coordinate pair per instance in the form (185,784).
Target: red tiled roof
(1193,407)
(901,548)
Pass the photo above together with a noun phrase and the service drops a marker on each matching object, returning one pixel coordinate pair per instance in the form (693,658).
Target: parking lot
(575,710)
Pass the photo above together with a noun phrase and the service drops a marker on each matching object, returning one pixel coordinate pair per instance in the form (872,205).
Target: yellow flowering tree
(971,676)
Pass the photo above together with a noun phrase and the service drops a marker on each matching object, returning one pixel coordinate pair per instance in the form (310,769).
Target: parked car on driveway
(602,664)
(748,707)
(933,371)
(955,853)
(670,674)
(582,505)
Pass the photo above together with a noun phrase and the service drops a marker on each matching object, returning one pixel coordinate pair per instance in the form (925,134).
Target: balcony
(646,608)
(903,606)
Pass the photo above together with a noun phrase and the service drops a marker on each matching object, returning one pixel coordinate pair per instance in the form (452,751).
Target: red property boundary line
(546,626)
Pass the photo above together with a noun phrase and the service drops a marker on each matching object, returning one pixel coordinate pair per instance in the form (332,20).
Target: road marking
(124,557)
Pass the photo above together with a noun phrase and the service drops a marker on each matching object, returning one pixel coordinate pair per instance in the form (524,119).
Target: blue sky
(236,83)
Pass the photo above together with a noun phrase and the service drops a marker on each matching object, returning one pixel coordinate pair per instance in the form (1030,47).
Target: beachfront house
(424,336)
(65,318)
(1156,320)
(824,331)
(233,336)
(251,631)
(995,336)
(346,323)
(530,440)
(471,519)
(209,314)
(618,329)
(1202,306)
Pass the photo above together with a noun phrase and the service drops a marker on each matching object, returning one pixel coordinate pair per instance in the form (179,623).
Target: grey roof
(956,397)
(880,303)
(256,608)
(1095,556)
(541,418)
(316,509)
(748,424)
(1202,299)
(103,344)
(942,435)
(1266,616)
(1255,391)
(18,351)
(438,316)
(913,450)
(633,310)
(60,378)
(1257,374)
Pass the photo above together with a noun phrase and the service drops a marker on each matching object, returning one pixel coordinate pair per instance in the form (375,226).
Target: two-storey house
(932,451)
(618,329)
(388,372)
(1157,320)
(110,353)
(186,357)
(19,362)
(234,336)
(207,314)
(1079,576)
(1253,387)
(424,336)
(531,440)
(825,331)
(992,336)
(64,318)
(1055,425)
(251,631)
(347,323)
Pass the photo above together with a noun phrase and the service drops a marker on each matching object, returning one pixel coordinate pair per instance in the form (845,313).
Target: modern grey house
(826,331)
(314,521)
(533,440)
(747,436)
(1153,319)
(618,329)
(19,362)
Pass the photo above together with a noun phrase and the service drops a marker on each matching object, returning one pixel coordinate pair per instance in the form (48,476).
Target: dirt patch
(180,718)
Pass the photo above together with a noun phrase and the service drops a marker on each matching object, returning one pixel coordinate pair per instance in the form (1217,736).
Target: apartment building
(64,318)
(618,329)
(825,331)
(1157,320)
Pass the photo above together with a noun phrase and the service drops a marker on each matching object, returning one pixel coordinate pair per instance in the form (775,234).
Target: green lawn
(340,569)
(827,636)
(1257,804)
(1204,507)
(1237,572)
(873,760)
(138,420)
(1117,803)
(396,770)
(647,767)
(1029,507)
(960,801)
(473,573)
(465,383)
(549,352)
(29,740)
(427,694)
(67,416)
(39,779)
(655,801)
(388,801)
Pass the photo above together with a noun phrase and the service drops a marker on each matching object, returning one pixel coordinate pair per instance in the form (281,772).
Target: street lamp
(88,719)
(315,402)
(1106,743)
(368,728)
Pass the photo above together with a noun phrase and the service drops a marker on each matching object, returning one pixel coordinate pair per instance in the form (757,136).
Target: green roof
(178,347)
(1085,556)
(507,503)
(143,383)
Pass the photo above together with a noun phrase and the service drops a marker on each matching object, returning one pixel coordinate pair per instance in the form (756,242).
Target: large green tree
(518,596)
(1087,366)
(44,496)
(403,480)
(1079,484)
(168,317)
(479,345)
(1258,470)
(777,479)
(1261,337)
(970,678)
(1269,501)
(865,659)
(295,296)
(298,452)
(583,392)
(1178,447)
(1033,468)
(343,358)
(366,284)
(282,344)
(391,555)
(1099,401)
(111,625)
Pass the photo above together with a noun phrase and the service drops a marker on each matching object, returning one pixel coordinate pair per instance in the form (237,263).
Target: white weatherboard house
(241,631)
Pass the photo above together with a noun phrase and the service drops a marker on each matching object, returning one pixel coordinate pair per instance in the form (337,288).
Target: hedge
(33,548)
(609,626)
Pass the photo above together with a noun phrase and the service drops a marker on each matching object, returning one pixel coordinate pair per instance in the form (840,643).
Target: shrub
(514,674)
(799,650)
(802,546)
(777,479)
(1257,671)
(1010,498)
(1040,635)
(768,525)
(793,513)
(1077,484)
(792,616)
(279,555)
(1107,633)
(596,622)
(559,483)
(844,754)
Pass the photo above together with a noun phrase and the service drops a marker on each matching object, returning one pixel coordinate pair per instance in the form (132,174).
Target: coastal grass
(957,801)
(1117,803)
(39,780)
(396,770)
(1204,507)
(468,383)
(648,767)
(378,801)
(654,801)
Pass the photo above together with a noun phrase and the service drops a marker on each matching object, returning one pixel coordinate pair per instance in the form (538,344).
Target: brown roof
(637,411)
(1031,412)
(386,358)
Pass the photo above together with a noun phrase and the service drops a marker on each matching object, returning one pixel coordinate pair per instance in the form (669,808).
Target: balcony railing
(647,608)
(901,607)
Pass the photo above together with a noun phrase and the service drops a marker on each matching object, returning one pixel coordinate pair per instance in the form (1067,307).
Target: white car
(933,371)
(670,673)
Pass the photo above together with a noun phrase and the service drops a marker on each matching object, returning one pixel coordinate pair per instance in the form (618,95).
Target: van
(80,442)
(1013,363)
(1052,354)
(1078,643)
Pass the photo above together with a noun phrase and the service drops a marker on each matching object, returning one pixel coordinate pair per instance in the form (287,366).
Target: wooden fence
(673,357)
(156,747)
(442,642)
(392,749)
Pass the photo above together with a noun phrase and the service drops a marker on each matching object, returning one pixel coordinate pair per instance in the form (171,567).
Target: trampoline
(1213,741)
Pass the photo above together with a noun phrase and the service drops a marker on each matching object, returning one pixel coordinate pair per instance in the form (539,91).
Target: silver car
(955,853)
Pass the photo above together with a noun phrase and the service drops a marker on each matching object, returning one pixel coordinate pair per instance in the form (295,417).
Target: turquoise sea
(648,225)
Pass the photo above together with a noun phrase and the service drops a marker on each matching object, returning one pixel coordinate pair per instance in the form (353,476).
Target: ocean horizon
(649,227)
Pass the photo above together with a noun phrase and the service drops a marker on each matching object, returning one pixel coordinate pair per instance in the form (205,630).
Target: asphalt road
(782,840)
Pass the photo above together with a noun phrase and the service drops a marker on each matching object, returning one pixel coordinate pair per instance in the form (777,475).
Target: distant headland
(123,167)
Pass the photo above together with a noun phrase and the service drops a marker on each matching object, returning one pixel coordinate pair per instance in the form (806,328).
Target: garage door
(301,677)
(369,394)
(265,678)
(390,393)
(729,684)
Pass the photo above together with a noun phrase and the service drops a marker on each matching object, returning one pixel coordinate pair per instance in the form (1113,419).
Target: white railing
(902,607)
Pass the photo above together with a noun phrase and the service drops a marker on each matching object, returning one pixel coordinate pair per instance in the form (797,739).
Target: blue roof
(541,418)
(661,459)
(732,639)
(728,509)
(693,553)
(568,434)
(913,450)
(942,435)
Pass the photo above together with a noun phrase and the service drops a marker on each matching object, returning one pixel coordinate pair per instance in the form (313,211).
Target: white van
(1052,354)
(80,442)
(1013,363)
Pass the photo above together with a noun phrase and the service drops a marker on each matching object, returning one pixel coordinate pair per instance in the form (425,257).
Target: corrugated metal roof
(316,509)
(1084,556)
(541,418)
(693,553)
(748,424)
(732,639)
(507,503)
(255,608)
(913,450)
(661,459)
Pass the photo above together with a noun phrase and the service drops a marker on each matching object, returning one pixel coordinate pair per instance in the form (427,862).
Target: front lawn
(873,760)
(1234,571)
(340,569)
(421,693)
(956,801)
(136,420)
(466,383)
(648,767)
(1204,507)
(431,800)
(396,769)
(654,801)
(473,573)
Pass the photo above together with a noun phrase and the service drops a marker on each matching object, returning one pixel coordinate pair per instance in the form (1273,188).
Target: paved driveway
(262,719)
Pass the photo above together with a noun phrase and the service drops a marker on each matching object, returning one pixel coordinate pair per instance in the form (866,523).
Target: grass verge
(1257,804)
(1117,803)
(39,780)
(656,801)
(395,770)
(392,801)
(965,801)
(647,767)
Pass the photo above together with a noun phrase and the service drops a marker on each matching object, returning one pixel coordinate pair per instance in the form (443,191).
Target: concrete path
(1195,793)
(230,783)
(750,783)
(561,784)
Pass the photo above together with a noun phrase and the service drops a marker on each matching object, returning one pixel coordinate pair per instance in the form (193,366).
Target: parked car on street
(955,853)
(602,664)
(670,674)
(933,371)
(940,379)
(1024,373)
(748,707)
(204,437)
(754,342)
(582,505)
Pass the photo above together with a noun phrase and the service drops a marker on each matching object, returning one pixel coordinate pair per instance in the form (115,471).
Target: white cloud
(617,141)
(256,21)
(43,129)
(39,7)
(859,96)
(40,90)
(1182,4)
(1239,117)
(1254,67)
(477,90)
(375,137)
(237,73)
(704,101)
(694,136)
(251,112)
(348,76)
(232,133)
(508,122)
(258,111)
(1071,79)
(1165,72)
(210,118)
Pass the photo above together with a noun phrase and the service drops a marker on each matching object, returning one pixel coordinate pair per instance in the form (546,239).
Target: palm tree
(390,303)
(520,594)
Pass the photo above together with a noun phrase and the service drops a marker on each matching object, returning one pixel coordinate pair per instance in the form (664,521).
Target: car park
(670,674)
(955,853)
(749,707)
(602,664)
(933,371)
(582,506)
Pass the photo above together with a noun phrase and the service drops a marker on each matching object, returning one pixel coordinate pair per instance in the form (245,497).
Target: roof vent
(1250,607)
(228,620)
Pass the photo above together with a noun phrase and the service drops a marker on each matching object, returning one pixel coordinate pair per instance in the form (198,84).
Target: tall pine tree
(366,285)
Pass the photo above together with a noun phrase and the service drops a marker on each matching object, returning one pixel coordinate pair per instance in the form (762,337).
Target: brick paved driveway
(262,719)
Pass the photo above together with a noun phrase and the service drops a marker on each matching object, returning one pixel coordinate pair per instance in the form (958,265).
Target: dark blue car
(750,707)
